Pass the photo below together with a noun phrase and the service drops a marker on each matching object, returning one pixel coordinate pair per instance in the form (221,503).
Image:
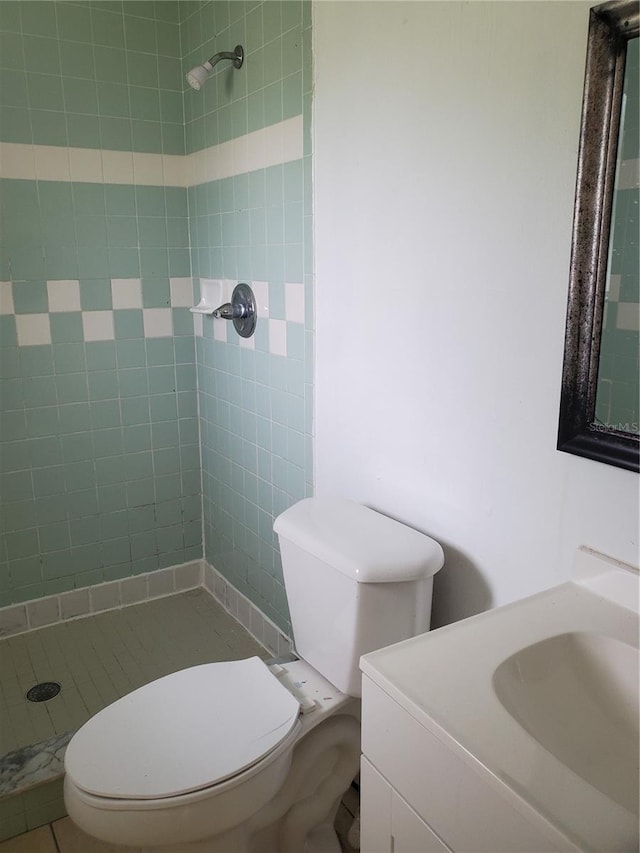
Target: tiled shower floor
(96,660)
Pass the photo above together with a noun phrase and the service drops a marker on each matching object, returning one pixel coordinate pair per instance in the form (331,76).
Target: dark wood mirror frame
(611,26)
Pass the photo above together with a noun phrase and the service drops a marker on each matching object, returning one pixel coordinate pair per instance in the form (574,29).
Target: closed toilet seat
(127,765)
(183,733)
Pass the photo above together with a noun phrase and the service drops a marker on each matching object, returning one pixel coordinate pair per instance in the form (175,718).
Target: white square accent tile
(189,168)
(17,160)
(247,343)
(613,289)
(215,291)
(261,293)
(174,171)
(255,150)
(220,330)
(6,297)
(52,163)
(628,174)
(628,317)
(277,337)
(86,165)
(126,293)
(210,162)
(33,329)
(224,153)
(273,145)
(157,322)
(181,292)
(98,325)
(117,167)
(147,169)
(294,302)
(292,139)
(241,159)
(64,295)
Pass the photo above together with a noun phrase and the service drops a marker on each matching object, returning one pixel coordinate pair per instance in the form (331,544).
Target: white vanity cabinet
(418,796)
(388,823)
(480,737)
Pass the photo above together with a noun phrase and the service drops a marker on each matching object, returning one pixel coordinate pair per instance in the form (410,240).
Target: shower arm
(236,56)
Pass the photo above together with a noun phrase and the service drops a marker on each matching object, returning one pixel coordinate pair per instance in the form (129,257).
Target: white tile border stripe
(271,146)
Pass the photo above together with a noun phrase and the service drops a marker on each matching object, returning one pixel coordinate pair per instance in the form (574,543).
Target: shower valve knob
(241,310)
(228,311)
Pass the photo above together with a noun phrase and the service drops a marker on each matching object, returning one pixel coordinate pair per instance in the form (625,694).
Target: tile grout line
(55,840)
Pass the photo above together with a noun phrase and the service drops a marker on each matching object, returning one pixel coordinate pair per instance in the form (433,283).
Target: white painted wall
(445,139)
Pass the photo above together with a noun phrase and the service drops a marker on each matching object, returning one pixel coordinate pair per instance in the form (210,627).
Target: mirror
(599,406)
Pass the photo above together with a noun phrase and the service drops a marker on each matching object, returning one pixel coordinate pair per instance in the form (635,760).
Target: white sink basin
(541,697)
(577,695)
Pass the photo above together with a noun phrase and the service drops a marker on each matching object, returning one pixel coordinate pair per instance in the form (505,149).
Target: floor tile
(102,657)
(37,841)
(73,840)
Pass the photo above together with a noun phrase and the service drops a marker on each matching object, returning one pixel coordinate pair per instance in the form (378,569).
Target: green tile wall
(92,75)
(276,37)
(255,407)
(99,457)
(101,462)
(92,232)
(99,439)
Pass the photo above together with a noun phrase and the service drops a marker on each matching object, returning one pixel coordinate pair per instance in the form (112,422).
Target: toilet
(248,757)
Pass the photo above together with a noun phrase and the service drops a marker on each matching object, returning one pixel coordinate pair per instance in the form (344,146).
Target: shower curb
(28,766)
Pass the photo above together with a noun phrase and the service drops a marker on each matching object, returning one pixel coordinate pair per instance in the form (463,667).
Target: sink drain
(44,691)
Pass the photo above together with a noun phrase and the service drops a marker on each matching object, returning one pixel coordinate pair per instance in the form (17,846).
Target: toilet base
(323,840)
(297,819)
(286,803)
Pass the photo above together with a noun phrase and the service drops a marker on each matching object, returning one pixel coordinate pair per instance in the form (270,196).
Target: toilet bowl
(219,740)
(243,757)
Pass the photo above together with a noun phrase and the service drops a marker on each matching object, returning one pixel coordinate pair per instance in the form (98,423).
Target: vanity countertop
(445,681)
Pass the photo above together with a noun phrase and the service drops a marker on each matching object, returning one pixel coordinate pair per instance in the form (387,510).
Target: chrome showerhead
(198,75)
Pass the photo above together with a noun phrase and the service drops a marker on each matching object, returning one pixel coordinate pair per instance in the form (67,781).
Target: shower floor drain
(43,692)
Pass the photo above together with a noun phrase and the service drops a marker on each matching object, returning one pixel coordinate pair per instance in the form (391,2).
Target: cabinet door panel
(410,833)
(375,810)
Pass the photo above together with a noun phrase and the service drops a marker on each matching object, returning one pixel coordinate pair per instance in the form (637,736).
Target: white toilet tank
(356,581)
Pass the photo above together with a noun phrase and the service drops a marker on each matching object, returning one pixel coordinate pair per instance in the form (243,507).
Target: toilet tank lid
(359,542)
